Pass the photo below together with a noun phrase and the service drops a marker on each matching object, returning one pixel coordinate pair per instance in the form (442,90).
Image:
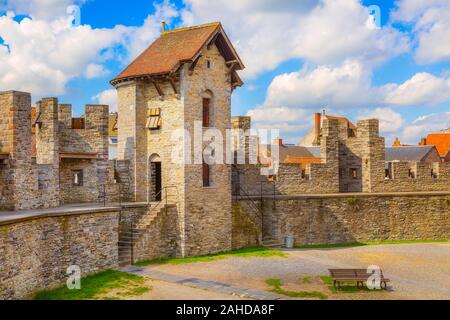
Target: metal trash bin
(290,241)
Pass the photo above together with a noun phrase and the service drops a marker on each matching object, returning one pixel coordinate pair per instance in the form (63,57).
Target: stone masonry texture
(338,219)
(35,254)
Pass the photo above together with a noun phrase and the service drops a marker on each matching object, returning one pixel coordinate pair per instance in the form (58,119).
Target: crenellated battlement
(51,158)
(351,161)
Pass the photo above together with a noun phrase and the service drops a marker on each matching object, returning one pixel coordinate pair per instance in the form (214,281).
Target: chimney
(278,142)
(423,142)
(163,27)
(317,125)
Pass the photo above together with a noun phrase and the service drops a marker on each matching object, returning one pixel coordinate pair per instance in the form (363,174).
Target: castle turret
(173,104)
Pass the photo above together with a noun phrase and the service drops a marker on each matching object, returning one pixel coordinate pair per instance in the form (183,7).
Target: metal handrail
(132,224)
(160,193)
(261,213)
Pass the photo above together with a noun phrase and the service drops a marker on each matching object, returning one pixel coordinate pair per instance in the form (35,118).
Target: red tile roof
(441,141)
(172,48)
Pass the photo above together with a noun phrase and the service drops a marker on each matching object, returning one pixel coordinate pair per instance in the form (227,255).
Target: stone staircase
(271,242)
(130,235)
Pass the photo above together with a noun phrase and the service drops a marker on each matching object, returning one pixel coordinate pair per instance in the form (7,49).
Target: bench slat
(353,275)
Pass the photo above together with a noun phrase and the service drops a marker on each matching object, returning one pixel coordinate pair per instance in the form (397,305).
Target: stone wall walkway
(11,217)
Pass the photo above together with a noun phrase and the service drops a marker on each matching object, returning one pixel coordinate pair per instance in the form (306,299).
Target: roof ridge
(205,25)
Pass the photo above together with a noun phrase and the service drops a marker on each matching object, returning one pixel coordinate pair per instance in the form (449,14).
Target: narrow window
(206,112)
(433,174)
(77,178)
(388,172)
(206,175)
(208,64)
(354,173)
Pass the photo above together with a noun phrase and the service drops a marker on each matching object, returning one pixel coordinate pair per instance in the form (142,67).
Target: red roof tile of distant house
(441,141)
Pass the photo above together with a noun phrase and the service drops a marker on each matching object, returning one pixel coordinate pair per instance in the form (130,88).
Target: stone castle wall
(36,253)
(357,217)
(161,238)
(47,180)
(349,164)
(245,232)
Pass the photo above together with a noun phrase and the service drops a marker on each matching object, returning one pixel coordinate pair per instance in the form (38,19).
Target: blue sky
(301,57)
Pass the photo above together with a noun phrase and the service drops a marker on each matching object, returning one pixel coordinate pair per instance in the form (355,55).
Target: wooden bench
(360,276)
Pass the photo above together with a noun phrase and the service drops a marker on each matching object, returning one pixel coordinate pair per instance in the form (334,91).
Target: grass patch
(276,285)
(306,280)
(254,252)
(346,287)
(368,243)
(98,285)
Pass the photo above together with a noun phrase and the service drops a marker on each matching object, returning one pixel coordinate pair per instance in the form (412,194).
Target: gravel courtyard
(417,271)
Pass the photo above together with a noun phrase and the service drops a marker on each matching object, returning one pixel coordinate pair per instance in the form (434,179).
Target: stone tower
(18,184)
(173,92)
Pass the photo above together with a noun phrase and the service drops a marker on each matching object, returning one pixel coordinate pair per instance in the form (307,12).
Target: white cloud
(350,86)
(411,10)
(390,121)
(345,86)
(337,30)
(48,10)
(424,125)
(42,56)
(43,53)
(431,20)
(421,89)
(94,70)
(107,97)
(289,121)
(266,33)
(139,38)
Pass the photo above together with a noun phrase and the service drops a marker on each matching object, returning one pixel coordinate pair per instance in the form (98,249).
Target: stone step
(272,243)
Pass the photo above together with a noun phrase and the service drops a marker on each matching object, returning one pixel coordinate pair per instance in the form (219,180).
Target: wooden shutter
(154,119)
(205,113)
(206,180)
